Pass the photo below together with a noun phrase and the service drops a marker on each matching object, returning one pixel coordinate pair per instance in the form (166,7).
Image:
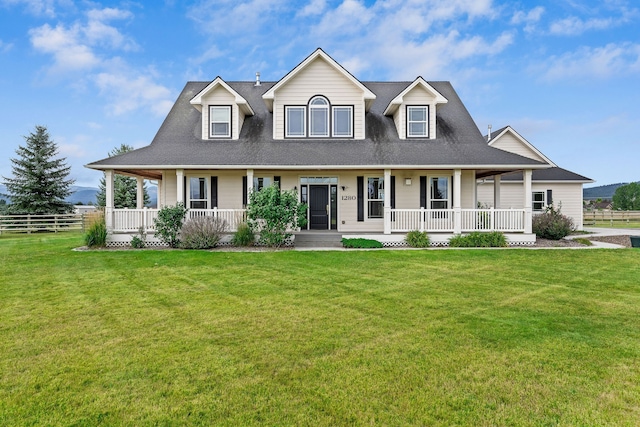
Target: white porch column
(528,216)
(387,201)
(160,198)
(139,192)
(108,208)
(249,184)
(179,186)
(496,191)
(457,209)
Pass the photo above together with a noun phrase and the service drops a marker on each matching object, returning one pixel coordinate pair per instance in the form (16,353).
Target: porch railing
(130,220)
(443,220)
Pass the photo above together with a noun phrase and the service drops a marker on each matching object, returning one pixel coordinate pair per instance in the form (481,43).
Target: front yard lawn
(445,337)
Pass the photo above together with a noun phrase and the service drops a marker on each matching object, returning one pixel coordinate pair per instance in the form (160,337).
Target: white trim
(304,120)
(270,95)
(505,168)
(333,120)
(399,100)
(228,122)
(425,108)
(242,103)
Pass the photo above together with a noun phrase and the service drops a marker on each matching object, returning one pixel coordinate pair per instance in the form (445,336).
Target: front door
(318,207)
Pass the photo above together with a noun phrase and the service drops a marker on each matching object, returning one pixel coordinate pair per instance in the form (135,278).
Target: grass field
(614,224)
(437,337)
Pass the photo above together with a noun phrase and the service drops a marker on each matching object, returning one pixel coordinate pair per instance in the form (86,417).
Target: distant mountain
(87,195)
(604,192)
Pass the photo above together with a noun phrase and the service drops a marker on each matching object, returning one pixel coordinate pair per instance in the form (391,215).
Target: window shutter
(184,191)
(423,191)
(244,191)
(549,197)
(360,198)
(393,196)
(214,192)
(450,202)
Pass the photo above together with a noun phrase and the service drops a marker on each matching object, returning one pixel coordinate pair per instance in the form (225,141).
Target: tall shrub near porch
(274,213)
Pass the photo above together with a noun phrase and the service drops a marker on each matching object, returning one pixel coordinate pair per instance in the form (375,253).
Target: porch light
(407,181)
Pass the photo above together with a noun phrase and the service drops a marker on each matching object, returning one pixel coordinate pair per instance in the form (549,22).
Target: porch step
(318,240)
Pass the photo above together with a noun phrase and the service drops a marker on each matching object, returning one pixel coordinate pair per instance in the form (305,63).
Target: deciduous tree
(627,197)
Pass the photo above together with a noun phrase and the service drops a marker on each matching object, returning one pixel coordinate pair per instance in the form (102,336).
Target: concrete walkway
(600,231)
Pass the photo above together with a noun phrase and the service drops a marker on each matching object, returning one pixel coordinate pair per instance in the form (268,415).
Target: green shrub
(494,239)
(96,235)
(274,213)
(139,241)
(168,224)
(418,239)
(551,224)
(202,232)
(361,243)
(243,236)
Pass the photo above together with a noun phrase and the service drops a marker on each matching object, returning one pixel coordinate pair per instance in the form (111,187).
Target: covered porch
(392,224)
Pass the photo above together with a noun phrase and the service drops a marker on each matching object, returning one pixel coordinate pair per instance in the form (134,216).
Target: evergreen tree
(39,184)
(124,188)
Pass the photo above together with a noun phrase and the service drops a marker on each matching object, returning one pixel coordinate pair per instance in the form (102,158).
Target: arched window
(319,117)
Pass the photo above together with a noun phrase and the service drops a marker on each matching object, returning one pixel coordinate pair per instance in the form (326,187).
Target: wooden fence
(609,215)
(37,223)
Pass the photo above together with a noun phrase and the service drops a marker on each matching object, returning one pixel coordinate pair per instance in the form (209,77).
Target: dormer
(414,110)
(223,110)
(319,99)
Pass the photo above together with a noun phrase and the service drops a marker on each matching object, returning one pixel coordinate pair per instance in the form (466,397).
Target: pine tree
(124,188)
(39,184)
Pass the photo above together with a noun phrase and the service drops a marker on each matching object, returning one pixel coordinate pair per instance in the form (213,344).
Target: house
(553,186)
(372,158)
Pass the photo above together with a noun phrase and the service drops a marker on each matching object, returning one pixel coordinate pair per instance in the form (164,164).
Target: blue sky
(564,73)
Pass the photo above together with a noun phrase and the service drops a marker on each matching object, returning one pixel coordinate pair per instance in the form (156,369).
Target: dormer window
(418,121)
(319,117)
(220,121)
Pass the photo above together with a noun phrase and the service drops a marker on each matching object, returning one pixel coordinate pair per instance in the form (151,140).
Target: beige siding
(220,96)
(169,188)
(511,196)
(468,190)
(319,78)
(510,143)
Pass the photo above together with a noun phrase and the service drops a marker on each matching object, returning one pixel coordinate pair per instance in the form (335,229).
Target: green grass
(614,224)
(478,337)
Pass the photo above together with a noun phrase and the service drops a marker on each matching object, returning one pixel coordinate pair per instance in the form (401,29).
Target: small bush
(551,224)
(361,243)
(139,241)
(202,232)
(494,239)
(96,236)
(169,222)
(418,239)
(243,236)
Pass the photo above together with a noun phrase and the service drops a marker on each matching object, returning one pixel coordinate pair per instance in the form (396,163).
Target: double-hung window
(198,194)
(220,121)
(538,201)
(417,121)
(439,192)
(375,197)
(319,117)
(261,182)
(342,122)
(295,121)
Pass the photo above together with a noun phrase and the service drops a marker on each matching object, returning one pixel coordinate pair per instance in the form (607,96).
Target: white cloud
(38,7)
(230,17)
(129,91)
(314,7)
(5,47)
(572,25)
(595,62)
(530,19)
(74,46)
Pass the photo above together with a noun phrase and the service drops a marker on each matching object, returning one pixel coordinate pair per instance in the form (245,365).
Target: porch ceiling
(144,173)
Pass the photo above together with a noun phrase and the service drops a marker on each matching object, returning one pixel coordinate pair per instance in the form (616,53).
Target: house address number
(349,197)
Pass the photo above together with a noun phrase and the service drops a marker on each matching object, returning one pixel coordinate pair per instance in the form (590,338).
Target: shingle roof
(178,142)
(551,174)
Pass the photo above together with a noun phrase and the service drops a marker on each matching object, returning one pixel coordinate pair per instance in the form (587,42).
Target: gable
(509,140)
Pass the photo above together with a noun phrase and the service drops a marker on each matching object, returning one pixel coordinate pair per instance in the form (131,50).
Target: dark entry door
(318,203)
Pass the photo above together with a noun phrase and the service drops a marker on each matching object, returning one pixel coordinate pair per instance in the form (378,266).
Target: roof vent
(489,134)
(257,79)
